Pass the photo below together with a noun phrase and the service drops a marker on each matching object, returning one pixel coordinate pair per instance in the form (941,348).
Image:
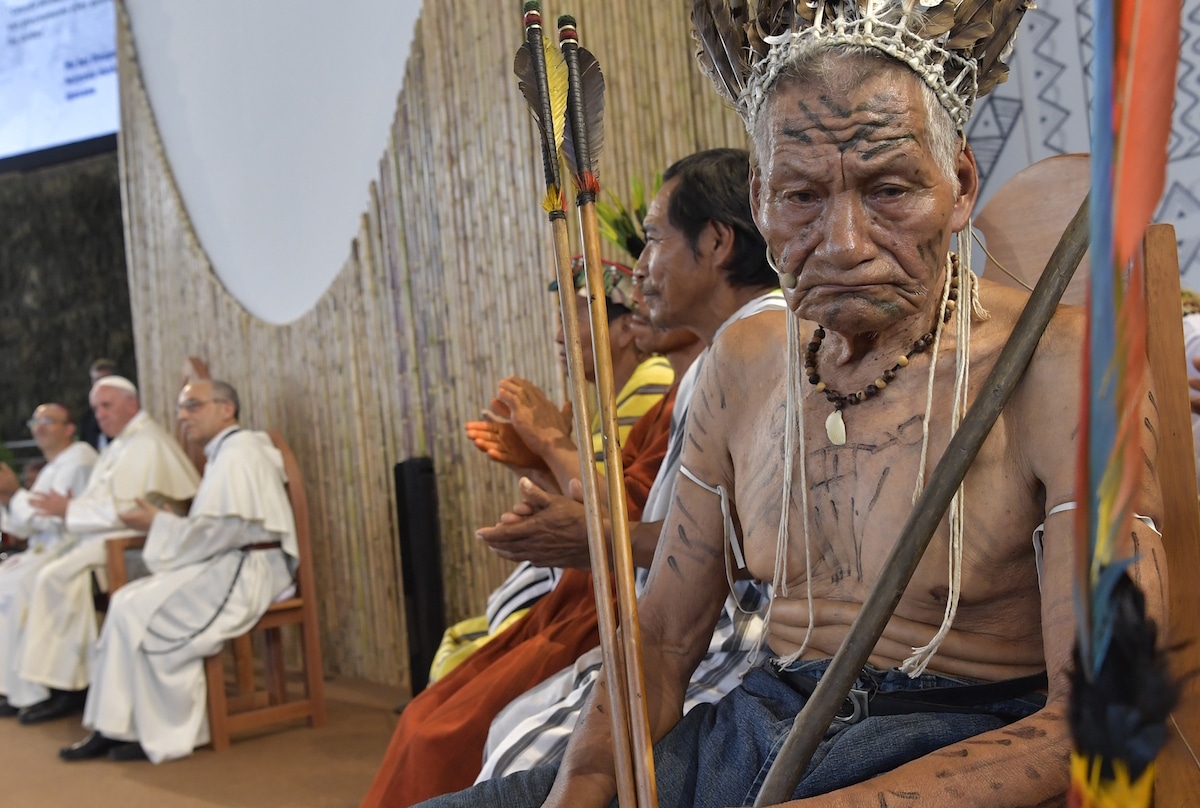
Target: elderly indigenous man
(214,573)
(68,465)
(60,627)
(860,182)
(527,432)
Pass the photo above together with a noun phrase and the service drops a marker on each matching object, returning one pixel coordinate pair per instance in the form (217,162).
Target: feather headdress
(624,226)
(957,47)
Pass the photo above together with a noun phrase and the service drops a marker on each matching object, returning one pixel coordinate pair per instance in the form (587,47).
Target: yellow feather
(556,78)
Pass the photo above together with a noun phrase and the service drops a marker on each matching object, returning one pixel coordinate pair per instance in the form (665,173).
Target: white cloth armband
(1039,533)
(730,533)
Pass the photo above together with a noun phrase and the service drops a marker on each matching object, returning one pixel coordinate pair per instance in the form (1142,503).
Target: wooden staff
(584,140)
(810,725)
(537,61)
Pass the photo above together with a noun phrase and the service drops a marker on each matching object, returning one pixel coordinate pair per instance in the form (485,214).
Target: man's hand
(544,529)
(541,425)
(9,484)
(142,516)
(51,503)
(496,437)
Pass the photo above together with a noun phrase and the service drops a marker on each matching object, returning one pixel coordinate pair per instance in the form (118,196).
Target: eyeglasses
(43,421)
(191,404)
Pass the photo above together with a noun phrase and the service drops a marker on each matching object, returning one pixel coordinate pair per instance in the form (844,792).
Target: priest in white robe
(68,465)
(60,626)
(214,574)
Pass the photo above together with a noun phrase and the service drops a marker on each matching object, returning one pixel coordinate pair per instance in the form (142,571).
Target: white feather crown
(957,47)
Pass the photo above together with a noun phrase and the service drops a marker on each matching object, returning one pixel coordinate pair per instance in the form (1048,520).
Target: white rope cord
(793,448)
(731,540)
(968,306)
(937,343)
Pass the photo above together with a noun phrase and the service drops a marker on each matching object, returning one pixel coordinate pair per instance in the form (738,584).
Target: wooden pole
(628,643)
(598,548)
(535,71)
(622,652)
(810,725)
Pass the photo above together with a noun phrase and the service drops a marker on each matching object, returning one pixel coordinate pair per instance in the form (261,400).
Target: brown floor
(289,766)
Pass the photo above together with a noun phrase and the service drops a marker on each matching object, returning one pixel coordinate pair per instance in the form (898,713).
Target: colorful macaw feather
(1121,692)
(623,225)
(542,77)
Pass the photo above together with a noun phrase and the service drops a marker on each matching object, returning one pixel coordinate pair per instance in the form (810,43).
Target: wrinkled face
(113,408)
(851,201)
(583,312)
(668,270)
(201,416)
(51,430)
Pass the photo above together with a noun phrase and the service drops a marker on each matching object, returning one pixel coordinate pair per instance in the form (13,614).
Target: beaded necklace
(835,425)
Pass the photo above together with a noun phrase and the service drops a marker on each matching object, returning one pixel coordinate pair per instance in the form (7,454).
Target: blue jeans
(719,754)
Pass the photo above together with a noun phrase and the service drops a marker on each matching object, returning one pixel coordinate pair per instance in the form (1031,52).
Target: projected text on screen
(58,73)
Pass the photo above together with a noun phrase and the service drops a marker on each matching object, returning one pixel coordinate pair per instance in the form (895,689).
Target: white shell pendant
(835,428)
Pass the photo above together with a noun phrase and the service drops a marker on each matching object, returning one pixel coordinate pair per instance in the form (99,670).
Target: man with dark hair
(68,466)
(706,186)
(704,274)
(214,573)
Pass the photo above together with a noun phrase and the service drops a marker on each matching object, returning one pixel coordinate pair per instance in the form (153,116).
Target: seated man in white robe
(60,625)
(214,574)
(68,465)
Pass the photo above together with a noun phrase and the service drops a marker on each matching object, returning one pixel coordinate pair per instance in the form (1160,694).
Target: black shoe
(7,710)
(60,704)
(127,751)
(93,746)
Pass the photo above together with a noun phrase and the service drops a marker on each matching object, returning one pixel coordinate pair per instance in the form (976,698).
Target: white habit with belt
(148,680)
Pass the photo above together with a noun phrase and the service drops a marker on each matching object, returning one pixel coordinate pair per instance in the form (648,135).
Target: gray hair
(223,391)
(839,68)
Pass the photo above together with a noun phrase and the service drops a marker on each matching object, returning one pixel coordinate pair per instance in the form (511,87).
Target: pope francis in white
(60,626)
(214,573)
(68,466)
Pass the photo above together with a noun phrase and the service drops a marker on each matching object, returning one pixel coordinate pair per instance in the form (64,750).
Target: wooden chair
(1023,220)
(1032,216)
(249,707)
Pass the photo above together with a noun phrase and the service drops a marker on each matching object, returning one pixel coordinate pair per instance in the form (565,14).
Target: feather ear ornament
(957,47)
(623,226)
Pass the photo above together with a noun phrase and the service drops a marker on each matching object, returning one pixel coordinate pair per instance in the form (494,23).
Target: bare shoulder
(750,350)
(742,371)
(1060,348)
(1044,409)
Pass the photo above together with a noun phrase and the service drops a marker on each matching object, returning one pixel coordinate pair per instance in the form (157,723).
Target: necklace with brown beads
(835,425)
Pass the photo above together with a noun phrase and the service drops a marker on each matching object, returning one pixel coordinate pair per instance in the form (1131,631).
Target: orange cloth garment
(437,747)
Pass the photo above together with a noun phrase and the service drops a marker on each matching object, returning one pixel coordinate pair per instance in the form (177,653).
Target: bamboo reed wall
(442,294)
